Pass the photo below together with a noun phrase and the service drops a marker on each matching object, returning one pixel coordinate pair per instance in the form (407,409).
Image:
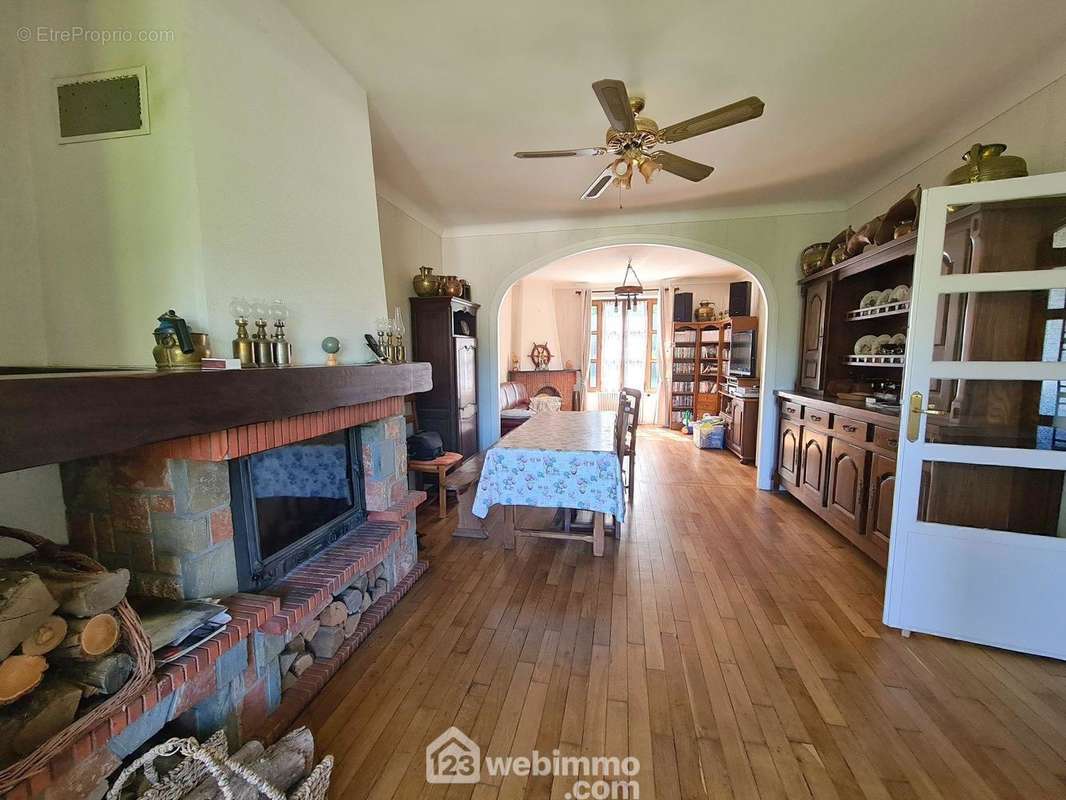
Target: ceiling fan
(633,139)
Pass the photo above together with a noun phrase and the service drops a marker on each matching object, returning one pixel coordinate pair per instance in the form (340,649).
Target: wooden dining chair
(626,433)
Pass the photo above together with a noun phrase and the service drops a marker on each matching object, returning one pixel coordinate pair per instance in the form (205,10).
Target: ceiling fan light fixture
(648,167)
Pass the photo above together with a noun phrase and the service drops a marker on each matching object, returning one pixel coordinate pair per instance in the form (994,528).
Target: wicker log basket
(133,639)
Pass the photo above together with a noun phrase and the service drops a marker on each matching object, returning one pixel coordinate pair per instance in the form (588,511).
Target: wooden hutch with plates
(836,449)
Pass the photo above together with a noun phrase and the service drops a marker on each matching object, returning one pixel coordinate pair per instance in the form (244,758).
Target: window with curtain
(623,346)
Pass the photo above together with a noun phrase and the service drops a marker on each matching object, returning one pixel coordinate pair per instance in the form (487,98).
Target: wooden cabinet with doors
(839,461)
(788,452)
(812,354)
(881,494)
(443,332)
(846,487)
(742,419)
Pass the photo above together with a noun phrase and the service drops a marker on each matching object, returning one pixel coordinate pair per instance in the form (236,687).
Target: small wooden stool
(439,466)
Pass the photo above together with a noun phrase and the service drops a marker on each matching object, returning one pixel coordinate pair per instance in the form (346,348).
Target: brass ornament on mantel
(450,286)
(986,162)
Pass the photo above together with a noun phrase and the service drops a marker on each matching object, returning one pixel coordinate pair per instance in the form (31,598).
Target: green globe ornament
(331,345)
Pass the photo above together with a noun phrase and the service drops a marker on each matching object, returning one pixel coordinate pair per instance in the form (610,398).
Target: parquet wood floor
(729,640)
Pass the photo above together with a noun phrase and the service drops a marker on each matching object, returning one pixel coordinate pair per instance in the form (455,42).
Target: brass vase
(986,162)
(450,286)
(704,312)
(425,282)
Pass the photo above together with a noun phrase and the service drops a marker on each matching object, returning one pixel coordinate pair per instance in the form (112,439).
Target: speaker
(682,306)
(740,299)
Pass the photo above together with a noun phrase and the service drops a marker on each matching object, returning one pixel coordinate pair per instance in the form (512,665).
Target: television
(742,354)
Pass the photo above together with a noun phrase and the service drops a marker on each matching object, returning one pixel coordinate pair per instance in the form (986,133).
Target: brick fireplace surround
(162,511)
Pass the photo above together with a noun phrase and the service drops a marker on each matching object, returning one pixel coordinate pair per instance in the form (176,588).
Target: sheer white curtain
(586,329)
(666,327)
(624,350)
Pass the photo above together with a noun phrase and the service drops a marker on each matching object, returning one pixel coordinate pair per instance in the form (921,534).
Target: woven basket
(134,639)
(201,760)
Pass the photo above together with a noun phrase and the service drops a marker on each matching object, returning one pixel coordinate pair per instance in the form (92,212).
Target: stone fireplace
(165,511)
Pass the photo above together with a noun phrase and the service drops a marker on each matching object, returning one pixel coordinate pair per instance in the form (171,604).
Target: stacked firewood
(325,634)
(58,636)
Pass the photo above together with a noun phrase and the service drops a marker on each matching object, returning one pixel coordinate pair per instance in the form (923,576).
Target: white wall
(406,245)
(256,180)
(287,204)
(533,322)
(504,322)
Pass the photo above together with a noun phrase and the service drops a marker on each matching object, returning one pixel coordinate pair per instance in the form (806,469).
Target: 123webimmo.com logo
(453,757)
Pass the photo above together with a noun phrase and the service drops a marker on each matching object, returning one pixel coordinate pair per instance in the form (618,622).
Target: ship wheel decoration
(540,355)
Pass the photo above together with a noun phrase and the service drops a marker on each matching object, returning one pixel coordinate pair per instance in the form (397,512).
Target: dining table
(560,460)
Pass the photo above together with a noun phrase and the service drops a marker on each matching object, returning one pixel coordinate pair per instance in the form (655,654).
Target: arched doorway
(489,369)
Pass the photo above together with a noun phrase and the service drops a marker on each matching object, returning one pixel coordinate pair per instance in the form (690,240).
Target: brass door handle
(914,415)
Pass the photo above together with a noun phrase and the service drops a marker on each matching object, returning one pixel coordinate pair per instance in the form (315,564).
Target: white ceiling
(852,89)
(607,265)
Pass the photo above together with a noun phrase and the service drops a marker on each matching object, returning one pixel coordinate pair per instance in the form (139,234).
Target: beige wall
(503,325)
(406,245)
(256,180)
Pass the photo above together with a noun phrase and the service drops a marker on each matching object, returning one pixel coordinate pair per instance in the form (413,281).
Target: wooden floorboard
(728,639)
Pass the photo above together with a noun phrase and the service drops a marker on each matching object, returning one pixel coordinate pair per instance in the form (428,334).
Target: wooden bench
(463,481)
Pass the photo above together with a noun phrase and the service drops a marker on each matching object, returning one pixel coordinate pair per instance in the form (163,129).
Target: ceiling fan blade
(740,111)
(683,167)
(583,151)
(614,98)
(599,186)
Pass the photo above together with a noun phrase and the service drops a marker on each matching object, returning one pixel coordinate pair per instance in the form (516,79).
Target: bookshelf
(700,365)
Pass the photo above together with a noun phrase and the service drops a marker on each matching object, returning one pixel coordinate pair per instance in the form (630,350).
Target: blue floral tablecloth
(561,460)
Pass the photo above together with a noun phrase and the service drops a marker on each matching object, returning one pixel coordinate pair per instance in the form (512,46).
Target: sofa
(514,406)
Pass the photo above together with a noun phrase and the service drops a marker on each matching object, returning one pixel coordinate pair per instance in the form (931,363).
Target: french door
(978,549)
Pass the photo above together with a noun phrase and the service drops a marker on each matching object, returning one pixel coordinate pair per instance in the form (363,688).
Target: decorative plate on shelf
(901,293)
(870,299)
(865,346)
(900,339)
(886,297)
(882,340)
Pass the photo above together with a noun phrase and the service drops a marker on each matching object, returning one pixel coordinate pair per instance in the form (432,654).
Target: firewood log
(208,788)
(284,764)
(333,615)
(82,594)
(25,603)
(105,676)
(301,664)
(88,639)
(311,629)
(26,724)
(327,641)
(46,638)
(286,660)
(367,600)
(351,624)
(297,644)
(20,675)
(352,599)
(288,680)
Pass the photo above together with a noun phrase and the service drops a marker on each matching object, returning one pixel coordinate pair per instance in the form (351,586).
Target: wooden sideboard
(839,460)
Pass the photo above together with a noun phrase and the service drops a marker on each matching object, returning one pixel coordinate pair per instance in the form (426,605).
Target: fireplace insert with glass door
(291,501)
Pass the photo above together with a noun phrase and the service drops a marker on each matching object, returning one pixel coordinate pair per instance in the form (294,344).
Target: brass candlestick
(242,345)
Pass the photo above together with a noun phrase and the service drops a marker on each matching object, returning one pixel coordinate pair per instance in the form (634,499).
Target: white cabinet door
(978,550)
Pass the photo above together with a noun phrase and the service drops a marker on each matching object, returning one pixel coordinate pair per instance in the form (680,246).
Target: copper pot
(450,286)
